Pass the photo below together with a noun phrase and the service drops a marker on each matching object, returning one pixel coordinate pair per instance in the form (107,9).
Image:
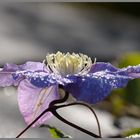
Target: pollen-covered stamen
(65,64)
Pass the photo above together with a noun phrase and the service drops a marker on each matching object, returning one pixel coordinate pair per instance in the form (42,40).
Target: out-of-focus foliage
(130,132)
(55,133)
(117,103)
(132,91)
(127,100)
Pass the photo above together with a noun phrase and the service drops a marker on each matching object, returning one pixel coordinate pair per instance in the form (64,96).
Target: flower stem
(53,107)
(74,125)
(54,112)
(45,111)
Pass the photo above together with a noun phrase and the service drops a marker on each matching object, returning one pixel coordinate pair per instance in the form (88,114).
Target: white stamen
(65,64)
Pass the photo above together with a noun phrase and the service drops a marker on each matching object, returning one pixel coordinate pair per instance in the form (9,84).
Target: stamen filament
(66,64)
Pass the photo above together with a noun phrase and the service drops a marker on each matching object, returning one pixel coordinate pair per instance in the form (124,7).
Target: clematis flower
(38,82)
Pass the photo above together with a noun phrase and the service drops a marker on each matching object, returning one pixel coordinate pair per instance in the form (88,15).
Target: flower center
(65,64)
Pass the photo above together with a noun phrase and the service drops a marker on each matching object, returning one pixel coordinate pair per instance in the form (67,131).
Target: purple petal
(93,88)
(35,66)
(101,66)
(10,67)
(27,66)
(44,79)
(33,101)
(6,80)
(8,71)
(132,71)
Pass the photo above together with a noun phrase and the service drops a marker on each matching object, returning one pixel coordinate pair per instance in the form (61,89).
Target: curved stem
(45,111)
(52,108)
(75,126)
(53,103)
(49,109)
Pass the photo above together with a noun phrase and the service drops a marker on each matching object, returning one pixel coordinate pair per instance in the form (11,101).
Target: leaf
(55,133)
(130,132)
